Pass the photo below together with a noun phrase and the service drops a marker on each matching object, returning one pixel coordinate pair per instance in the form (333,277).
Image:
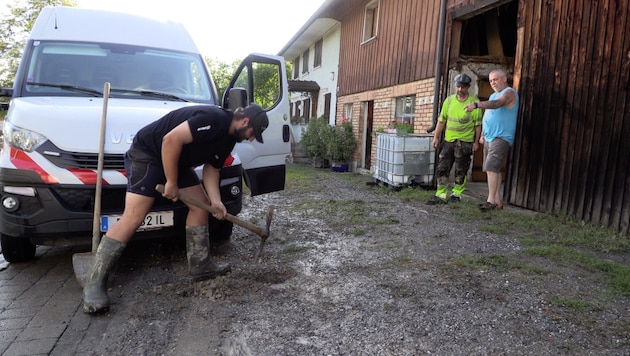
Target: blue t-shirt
(500,122)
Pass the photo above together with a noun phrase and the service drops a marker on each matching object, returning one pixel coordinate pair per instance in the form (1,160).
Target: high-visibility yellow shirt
(460,125)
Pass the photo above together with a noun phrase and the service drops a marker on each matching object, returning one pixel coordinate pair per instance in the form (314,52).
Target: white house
(314,53)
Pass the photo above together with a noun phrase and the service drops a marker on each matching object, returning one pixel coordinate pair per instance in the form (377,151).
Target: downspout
(439,54)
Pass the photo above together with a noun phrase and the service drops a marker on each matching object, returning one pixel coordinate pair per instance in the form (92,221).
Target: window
(296,68)
(306,110)
(317,61)
(405,109)
(370,22)
(263,81)
(128,69)
(347,112)
(305,62)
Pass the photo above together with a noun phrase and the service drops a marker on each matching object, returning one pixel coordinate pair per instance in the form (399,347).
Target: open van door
(263,79)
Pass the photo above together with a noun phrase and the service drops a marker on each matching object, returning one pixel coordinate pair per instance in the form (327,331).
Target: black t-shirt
(209,127)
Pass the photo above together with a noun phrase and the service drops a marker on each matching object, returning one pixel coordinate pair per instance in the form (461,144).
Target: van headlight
(22,139)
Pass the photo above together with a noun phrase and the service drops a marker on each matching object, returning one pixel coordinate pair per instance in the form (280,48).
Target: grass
(578,305)
(557,237)
(347,212)
(296,249)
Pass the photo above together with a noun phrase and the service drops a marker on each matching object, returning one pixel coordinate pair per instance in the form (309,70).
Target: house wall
(403,50)
(325,75)
(384,107)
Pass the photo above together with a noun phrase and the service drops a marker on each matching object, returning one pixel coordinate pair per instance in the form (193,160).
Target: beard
(241,134)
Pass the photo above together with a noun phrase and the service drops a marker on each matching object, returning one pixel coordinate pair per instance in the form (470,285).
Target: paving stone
(40,347)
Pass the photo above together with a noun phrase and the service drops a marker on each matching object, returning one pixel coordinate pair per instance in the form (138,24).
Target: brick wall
(384,108)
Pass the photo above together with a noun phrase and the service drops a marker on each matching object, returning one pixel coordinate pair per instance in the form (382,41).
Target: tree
(14,30)
(221,73)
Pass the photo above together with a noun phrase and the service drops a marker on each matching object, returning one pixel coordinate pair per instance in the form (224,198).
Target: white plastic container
(403,159)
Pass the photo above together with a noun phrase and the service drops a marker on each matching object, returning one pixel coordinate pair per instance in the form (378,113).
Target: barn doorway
(483,39)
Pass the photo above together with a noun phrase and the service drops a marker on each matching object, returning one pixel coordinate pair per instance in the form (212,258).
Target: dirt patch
(350,271)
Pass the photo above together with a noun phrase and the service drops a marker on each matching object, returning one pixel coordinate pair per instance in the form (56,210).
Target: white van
(48,165)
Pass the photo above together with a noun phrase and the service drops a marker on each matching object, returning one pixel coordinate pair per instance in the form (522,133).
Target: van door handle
(286,133)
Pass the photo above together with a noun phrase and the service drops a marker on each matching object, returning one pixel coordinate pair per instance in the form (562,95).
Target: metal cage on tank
(403,160)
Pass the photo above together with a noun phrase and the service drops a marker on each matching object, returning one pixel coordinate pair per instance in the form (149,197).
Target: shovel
(82,262)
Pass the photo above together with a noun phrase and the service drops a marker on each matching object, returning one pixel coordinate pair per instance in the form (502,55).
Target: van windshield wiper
(156,94)
(91,91)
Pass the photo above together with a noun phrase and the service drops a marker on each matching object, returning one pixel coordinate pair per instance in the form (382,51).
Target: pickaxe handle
(229,217)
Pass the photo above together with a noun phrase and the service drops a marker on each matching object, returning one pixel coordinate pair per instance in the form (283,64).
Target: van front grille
(77,160)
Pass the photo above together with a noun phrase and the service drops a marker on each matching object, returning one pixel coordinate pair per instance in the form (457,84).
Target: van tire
(17,249)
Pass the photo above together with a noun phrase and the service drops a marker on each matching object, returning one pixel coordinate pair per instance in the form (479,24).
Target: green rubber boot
(95,299)
(200,264)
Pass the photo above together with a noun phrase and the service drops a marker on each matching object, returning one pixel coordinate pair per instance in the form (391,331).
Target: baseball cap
(257,119)
(462,80)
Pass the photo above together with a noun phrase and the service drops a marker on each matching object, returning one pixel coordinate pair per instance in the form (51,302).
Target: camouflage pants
(456,153)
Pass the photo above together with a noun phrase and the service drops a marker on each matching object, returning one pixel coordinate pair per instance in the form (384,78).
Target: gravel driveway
(351,270)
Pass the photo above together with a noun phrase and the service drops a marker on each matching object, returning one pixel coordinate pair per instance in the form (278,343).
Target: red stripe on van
(21,160)
(228,161)
(86,176)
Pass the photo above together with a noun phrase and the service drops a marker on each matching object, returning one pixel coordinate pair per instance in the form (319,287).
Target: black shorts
(143,174)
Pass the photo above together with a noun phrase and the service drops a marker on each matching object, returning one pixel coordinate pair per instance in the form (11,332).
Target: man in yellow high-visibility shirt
(462,130)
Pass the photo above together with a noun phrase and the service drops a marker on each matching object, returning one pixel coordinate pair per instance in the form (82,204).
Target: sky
(226,30)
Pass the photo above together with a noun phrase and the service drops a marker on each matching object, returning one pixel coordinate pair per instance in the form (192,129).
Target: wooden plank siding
(572,147)
(403,50)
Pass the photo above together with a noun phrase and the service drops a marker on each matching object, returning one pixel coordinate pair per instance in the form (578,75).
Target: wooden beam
(518,58)
(493,34)
(480,6)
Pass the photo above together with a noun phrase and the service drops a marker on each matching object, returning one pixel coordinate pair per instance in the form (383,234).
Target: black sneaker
(454,199)
(435,201)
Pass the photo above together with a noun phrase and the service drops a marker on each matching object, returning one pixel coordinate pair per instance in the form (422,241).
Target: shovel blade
(82,265)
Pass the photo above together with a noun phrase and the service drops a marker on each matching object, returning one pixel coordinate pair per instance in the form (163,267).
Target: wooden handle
(229,217)
(96,222)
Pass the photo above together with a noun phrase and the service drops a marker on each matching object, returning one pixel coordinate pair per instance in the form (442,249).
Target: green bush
(341,143)
(315,136)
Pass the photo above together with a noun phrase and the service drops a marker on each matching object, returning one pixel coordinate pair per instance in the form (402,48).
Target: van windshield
(81,69)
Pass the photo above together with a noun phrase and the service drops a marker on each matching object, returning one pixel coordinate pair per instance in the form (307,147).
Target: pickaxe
(263,232)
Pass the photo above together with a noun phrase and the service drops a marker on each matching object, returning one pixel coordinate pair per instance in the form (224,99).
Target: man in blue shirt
(497,133)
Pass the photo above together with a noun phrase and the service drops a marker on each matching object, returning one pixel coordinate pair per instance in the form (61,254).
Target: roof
(303,85)
(312,30)
(78,24)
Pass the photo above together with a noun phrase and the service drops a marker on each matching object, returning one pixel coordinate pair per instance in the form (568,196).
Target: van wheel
(17,249)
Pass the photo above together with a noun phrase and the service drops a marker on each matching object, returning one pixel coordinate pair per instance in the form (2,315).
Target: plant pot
(340,167)
(319,162)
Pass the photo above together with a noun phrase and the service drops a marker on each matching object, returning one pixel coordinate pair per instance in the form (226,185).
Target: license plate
(156,220)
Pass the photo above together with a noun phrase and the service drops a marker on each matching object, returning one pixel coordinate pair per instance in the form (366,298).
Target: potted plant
(314,137)
(400,127)
(341,145)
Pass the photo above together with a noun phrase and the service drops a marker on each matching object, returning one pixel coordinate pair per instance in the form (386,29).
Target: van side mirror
(236,98)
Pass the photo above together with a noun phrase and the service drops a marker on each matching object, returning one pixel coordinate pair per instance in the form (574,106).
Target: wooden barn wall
(402,52)
(572,149)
